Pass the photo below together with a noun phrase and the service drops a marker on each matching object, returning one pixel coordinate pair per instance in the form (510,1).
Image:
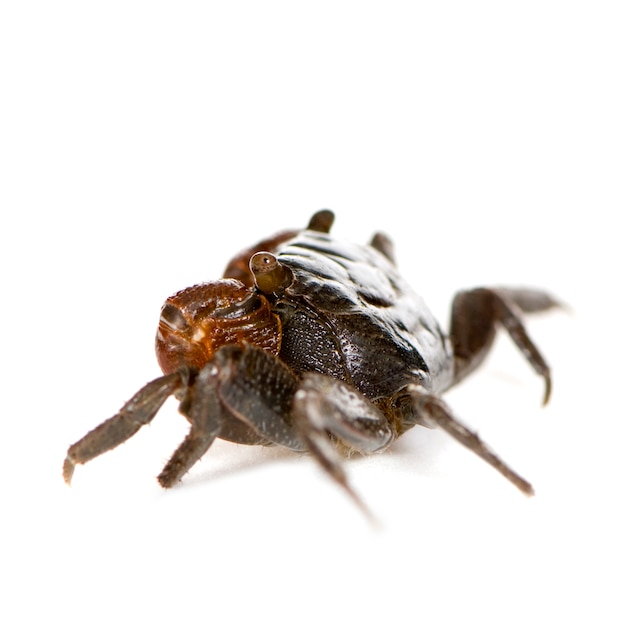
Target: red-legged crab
(316,345)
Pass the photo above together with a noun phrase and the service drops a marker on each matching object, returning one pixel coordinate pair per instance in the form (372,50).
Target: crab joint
(270,275)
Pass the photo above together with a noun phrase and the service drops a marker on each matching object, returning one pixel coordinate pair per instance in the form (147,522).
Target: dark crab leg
(327,404)
(324,405)
(258,390)
(325,453)
(265,394)
(432,411)
(137,412)
(202,408)
(250,387)
(475,316)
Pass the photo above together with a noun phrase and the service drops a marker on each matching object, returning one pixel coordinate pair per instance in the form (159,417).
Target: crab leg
(257,389)
(475,315)
(202,409)
(137,412)
(432,411)
(324,405)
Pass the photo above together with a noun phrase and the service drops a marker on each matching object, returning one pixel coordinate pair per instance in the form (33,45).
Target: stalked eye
(173,317)
(270,275)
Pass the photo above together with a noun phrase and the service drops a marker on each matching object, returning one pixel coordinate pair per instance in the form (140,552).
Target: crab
(317,345)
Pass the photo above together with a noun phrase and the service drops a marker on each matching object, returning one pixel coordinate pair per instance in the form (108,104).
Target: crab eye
(270,275)
(173,318)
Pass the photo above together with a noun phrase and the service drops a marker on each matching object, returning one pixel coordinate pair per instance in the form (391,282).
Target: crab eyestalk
(270,275)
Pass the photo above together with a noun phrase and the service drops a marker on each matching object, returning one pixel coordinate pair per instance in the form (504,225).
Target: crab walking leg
(475,315)
(247,384)
(325,453)
(432,411)
(322,405)
(257,389)
(137,412)
(529,300)
(202,408)
(328,404)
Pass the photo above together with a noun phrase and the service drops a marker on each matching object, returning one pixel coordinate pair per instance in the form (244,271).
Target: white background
(143,143)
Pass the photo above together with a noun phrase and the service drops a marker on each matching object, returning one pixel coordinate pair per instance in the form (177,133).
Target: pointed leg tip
(547,392)
(163,481)
(522,484)
(358,501)
(68,470)
(167,478)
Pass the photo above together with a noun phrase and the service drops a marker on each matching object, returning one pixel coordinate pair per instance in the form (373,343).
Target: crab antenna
(270,275)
